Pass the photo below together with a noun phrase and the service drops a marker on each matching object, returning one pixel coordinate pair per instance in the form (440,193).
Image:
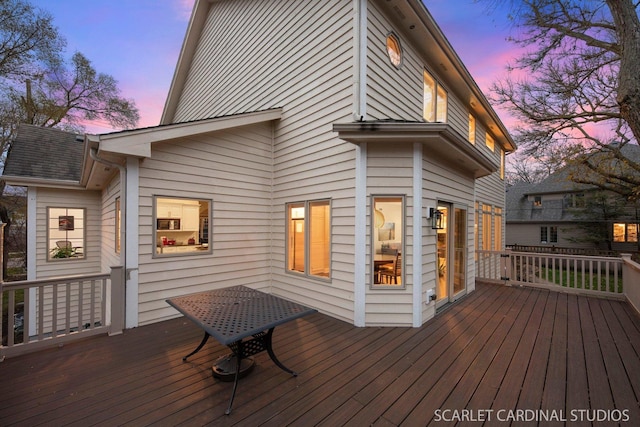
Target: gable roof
(137,142)
(559,181)
(40,153)
(520,208)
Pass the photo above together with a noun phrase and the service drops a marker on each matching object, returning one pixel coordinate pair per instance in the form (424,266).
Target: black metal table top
(231,314)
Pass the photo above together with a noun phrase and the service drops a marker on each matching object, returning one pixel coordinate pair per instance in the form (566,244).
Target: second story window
(435,100)
(394,50)
(490,142)
(472,129)
(574,200)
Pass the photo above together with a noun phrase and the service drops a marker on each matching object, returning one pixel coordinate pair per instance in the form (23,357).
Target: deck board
(499,348)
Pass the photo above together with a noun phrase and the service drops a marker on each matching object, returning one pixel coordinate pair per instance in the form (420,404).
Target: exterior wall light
(436,217)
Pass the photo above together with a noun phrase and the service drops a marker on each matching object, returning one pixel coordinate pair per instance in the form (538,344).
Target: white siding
(390,172)
(109,256)
(231,168)
(89,200)
(306,66)
(441,183)
(398,93)
(277,52)
(392,93)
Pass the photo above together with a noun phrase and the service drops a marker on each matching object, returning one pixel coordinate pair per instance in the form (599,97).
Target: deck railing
(571,273)
(631,279)
(40,313)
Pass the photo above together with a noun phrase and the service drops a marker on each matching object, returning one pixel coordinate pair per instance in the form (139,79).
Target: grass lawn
(578,279)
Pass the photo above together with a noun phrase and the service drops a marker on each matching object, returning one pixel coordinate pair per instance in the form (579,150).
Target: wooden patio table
(232,314)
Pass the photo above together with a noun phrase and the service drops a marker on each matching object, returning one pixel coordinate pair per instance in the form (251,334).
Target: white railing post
(117,300)
(505,258)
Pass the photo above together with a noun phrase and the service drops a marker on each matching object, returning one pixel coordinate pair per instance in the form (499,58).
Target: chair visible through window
(65,249)
(64,244)
(391,271)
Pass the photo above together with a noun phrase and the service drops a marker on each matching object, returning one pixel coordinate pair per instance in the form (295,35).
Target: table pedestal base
(224,368)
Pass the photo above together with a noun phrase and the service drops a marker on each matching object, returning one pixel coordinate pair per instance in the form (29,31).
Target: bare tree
(577,87)
(67,95)
(27,36)
(38,87)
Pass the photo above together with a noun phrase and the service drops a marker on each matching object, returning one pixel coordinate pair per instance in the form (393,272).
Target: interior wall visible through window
(309,238)
(624,232)
(387,240)
(66,230)
(472,129)
(181,226)
(435,100)
(497,229)
(486,227)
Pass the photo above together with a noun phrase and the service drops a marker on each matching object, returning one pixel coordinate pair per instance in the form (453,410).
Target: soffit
(439,139)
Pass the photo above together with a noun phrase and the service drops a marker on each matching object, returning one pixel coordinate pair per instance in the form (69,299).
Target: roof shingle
(45,153)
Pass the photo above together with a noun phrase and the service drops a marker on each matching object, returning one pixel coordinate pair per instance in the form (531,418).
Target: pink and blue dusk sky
(138,42)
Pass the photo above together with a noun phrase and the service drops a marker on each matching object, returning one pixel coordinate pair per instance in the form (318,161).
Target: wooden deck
(500,353)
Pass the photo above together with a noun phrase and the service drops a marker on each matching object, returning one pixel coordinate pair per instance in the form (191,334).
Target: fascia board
(23,181)
(138,143)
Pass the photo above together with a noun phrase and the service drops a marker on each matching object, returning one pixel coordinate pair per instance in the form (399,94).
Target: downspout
(360,60)
(360,114)
(93,153)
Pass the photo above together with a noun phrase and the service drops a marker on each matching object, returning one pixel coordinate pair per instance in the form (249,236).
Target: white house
(303,145)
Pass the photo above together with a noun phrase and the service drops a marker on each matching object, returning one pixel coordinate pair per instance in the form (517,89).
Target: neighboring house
(302,146)
(559,212)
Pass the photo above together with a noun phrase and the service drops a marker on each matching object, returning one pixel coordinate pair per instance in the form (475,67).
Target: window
(394,50)
(181,226)
(553,234)
(625,233)
(486,227)
(489,141)
(575,200)
(387,236)
(472,129)
(497,229)
(502,154)
(544,235)
(309,238)
(66,233)
(435,100)
(537,201)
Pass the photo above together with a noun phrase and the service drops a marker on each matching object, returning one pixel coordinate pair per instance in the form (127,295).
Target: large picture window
(309,238)
(181,226)
(66,233)
(435,100)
